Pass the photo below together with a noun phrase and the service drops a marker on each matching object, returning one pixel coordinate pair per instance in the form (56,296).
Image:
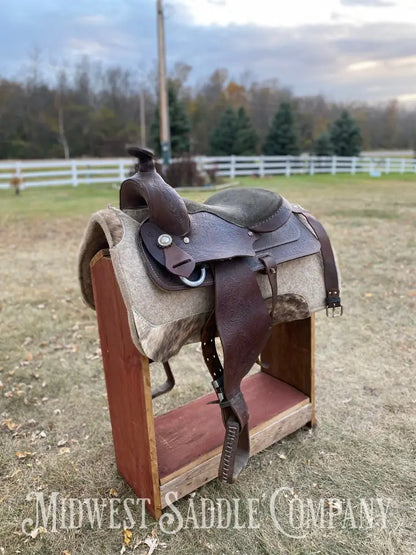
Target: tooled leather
(292,240)
(243,320)
(164,279)
(235,452)
(177,261)
(166,207)
(236,446)
(243,323)
(210,238)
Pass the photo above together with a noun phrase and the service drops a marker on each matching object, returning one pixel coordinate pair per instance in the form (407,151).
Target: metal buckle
(337,311)
(198,281)
(218,385)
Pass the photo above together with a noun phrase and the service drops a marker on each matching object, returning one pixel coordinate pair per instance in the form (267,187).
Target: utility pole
(163,96)
(142,121)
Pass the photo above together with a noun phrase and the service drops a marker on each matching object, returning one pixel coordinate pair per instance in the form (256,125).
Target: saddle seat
(246,208)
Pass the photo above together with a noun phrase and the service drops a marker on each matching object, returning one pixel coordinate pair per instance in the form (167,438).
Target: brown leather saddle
(223,243)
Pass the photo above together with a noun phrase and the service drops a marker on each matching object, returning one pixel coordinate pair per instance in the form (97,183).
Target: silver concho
(164,240)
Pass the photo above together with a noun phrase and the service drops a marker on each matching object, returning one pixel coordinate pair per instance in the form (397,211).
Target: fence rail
(38,173)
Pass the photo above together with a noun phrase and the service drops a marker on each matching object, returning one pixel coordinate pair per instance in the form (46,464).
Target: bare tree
(59,102)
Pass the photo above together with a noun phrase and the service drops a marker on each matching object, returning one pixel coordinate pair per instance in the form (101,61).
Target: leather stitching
(231,437)
(270,217)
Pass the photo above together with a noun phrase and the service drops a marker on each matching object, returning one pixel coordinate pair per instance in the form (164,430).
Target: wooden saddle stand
(222,245)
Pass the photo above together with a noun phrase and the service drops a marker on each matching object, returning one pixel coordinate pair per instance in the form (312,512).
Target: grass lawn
(55,432)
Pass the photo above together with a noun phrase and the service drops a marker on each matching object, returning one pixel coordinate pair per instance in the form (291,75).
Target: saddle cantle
(224,244)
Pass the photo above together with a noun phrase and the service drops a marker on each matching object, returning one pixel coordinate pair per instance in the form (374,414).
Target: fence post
(311,165)
(334,165)
(353,165)
(287,168)
(202,161)
(387,166)
(74,173)
(371,166)
(121,169)
(18,174)
(261,166)
(232,167)
(403,165)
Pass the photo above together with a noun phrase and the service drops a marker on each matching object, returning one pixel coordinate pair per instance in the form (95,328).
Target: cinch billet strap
(333,299)
(243,324)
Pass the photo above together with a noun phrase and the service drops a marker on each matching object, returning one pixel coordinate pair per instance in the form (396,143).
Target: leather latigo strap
(333,299)
(243,325)
(270,265)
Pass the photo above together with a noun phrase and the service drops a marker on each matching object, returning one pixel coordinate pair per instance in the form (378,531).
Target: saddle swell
(147,188)
(223,243)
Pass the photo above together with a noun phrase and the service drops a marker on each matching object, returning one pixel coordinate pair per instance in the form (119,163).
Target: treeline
(89,111)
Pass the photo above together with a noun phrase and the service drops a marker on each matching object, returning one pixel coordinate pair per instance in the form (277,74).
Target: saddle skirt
(231,267)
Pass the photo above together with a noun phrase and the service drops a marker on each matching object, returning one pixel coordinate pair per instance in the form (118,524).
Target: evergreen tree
(178,123)
(223,136)
(246,138)
(323,145)
(346,135)
(282,137)
(234,134)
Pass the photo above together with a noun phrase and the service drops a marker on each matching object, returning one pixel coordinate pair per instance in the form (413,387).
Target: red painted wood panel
(187,433)
(128,388)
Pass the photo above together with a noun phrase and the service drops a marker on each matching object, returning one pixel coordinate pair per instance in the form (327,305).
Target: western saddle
(224,243)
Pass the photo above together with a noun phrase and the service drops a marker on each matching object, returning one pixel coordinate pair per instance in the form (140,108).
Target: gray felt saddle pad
(161,322)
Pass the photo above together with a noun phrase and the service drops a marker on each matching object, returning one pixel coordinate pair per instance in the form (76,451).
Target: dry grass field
(55,433)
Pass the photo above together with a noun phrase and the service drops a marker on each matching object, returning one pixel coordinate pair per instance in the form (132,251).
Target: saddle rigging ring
(197,282)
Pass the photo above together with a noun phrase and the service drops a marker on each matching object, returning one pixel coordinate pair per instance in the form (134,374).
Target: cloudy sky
(345,49)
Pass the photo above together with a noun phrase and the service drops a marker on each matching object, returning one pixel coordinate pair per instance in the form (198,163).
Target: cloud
(310,59)
(407,97)
(87,47)
(370,3)
(363,66)
(345,61)
(119,32)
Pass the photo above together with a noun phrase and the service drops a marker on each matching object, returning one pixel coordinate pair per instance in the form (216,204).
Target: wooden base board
(189,438)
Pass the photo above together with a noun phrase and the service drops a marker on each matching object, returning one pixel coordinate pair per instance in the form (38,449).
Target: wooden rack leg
(290,356)
(128,389)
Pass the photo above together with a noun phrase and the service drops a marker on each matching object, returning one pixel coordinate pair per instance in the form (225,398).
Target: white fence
(37,173)
(233,166)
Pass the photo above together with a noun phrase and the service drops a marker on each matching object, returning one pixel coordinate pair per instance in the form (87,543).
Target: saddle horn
(147,188)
